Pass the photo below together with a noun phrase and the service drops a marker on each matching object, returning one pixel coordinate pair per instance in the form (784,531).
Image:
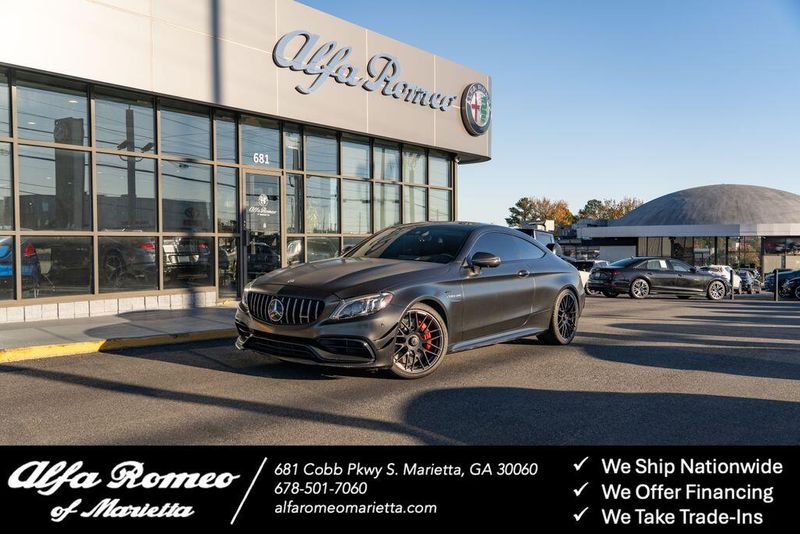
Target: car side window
(501,245)
(679,266)
(527,250)
(652,265)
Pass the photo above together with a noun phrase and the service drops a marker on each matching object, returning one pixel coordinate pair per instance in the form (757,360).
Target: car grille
(278,347)
(296,310)
(346,347)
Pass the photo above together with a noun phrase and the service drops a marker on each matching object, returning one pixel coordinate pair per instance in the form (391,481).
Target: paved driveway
(660,371)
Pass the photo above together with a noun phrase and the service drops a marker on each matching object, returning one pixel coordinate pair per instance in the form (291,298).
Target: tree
(608,209)
(592,210)
(540,209)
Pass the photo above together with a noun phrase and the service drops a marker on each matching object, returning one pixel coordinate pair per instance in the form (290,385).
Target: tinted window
(322,203)
(438,244)
(186,193)
(627,262)
(50,113)
(439,169)
(188,261)
(293,146)
(414,165)
(322,248)
(355,156)
(386,161)
(414,204)
(186,132)
(128,263)
(228,266)
(6,200)
(356,212)
(294,203)
(55,266)
(7,267)
(387,205)
(227,199)
(124,122)
(54,189)
(679,266)
(506,247)
(260,142)
(4,106)
(126,193)
(226,137)
(322,152)
(439,209)
(653,265)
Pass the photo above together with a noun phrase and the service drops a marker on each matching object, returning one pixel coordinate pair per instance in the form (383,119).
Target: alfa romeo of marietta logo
(263,199)
(476,108)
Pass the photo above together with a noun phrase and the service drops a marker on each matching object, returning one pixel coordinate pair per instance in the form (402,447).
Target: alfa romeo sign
(476,109)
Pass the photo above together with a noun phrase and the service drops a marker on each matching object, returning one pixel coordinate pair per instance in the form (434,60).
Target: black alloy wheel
(640,289)
(420,343)
(564,320)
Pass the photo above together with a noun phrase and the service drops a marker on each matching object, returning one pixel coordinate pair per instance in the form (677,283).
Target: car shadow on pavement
(519,416)
(206,355)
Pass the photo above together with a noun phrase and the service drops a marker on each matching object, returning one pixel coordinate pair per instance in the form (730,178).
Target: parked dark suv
(410,294)
(643,276)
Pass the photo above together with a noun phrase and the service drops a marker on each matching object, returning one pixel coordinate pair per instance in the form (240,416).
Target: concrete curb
(86,347)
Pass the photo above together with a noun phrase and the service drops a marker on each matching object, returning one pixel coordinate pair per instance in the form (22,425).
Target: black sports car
(410,294)
(642,276)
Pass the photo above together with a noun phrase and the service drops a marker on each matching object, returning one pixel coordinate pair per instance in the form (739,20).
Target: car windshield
(436,243)
(627,262)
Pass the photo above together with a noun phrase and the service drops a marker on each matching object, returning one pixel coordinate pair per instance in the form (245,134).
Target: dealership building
(727,224)
(160,155)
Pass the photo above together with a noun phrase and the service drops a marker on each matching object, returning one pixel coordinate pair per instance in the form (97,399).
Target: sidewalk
(42,339)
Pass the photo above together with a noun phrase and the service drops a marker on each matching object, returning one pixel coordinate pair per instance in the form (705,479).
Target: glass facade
(738,252)
(114,192)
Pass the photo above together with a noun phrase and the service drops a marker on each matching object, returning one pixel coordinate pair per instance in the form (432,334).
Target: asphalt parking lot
(659,371)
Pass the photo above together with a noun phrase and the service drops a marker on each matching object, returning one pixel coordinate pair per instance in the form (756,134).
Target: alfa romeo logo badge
(263,199)
(476,109)
(275,310)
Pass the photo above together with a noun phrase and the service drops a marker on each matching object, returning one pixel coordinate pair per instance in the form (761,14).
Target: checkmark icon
(578,516)
(578,491)
(580,464)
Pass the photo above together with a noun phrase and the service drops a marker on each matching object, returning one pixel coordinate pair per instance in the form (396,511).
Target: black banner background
(546,499)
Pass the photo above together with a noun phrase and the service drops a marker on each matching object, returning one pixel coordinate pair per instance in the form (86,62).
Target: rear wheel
(640,288)
(716,290)
(420,343)
(797,292)
(563,321)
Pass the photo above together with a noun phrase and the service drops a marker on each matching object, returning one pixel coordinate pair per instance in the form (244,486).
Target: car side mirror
(485,259)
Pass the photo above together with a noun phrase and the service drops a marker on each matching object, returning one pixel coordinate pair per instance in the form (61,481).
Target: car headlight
(243,302)
(361,306)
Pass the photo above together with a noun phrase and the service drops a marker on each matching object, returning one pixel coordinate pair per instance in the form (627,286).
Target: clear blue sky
(608,98)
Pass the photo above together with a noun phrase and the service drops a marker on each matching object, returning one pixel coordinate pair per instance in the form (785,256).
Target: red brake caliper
(426,335)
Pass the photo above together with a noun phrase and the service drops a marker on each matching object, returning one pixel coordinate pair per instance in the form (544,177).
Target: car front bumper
(364,343)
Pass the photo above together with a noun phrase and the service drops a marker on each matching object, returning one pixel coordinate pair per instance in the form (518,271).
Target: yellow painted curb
(86,347)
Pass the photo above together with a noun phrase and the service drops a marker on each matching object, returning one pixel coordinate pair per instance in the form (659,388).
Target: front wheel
(640,288)
(420,343)
(797,292)
(716,290)
(563,321)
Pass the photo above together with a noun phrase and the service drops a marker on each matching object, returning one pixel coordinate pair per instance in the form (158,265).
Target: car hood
(349,277)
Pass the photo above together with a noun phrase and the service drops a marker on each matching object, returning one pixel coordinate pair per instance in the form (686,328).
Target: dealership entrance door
(262,224)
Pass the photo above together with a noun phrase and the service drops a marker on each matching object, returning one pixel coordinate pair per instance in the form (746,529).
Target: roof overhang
(689,230)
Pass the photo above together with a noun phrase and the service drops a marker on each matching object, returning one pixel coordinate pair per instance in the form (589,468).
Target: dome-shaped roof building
(728,204)
(740,225)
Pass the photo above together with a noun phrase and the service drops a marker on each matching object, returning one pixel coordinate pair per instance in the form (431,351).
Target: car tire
(563,320)
(412,349)
(716,290)
(640,289)
(609,294)
(797,292)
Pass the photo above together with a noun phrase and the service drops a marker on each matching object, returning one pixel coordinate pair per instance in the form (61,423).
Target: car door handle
(523,273)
